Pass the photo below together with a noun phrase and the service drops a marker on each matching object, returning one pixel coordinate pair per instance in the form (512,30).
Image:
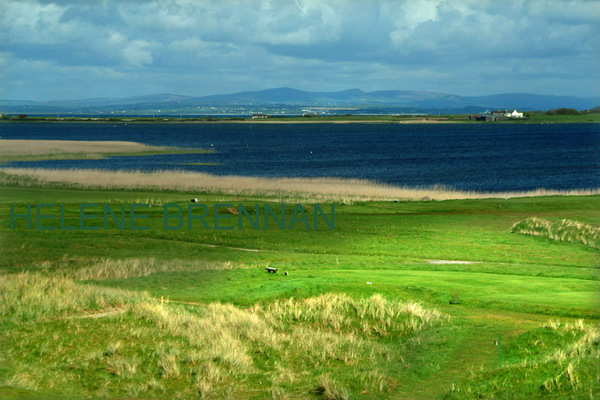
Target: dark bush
(563,111)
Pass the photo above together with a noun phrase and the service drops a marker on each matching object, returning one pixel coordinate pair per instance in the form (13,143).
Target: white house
(514,114)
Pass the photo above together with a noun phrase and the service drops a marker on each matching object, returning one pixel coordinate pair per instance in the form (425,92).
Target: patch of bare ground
(107,313)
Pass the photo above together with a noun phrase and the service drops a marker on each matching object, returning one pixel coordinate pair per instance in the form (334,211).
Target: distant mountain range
(295,100)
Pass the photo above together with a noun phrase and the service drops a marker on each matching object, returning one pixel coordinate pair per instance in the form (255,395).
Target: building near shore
(514,114)
(497,115)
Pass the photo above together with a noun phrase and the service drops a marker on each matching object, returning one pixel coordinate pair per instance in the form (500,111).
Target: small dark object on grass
(270,269)
(286,272)
(194,200)
(454,299)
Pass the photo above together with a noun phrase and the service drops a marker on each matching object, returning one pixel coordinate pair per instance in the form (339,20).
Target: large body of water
(490,157)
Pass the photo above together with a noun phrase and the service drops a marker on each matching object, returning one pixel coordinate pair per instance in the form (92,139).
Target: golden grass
(97,268)
(21,380)
(215,351)
(226,340)
(369,316)
(304,189)
(329,389)
(563,231)
(11,147)
(36,150)
(30,296)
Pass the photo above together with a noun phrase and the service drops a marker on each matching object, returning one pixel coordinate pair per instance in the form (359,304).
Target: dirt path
(116,311)
(228,247)
(207,244)
(107,313)
(191,303)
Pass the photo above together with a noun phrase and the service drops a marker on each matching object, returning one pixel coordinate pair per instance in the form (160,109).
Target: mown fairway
(365,311)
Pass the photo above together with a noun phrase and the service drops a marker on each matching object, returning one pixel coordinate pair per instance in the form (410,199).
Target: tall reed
(315,189)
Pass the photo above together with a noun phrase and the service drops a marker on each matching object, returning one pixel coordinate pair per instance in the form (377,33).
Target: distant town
(288,102)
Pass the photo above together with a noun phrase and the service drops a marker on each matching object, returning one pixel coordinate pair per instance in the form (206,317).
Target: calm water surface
(491,157)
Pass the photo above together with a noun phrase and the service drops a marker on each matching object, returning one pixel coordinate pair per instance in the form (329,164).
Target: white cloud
(407,16)
(334,44)
(137,53)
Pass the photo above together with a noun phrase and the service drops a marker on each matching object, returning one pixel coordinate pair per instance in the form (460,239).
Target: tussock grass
(226,343)
(371,316)
(97,268)
(121,366)
(329,389)
(564,231)
(20,380)
(31,296)
(169,365)
(558,371)
(218,334)
(304,189)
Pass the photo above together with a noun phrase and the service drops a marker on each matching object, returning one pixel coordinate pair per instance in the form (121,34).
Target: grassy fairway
(401,300)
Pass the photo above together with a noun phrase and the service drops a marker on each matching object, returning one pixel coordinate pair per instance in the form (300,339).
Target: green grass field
(402,300)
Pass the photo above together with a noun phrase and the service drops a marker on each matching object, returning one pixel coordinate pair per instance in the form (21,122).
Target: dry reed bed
(315,189)
(10,147)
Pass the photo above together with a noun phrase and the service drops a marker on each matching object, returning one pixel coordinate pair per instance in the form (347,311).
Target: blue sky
(70,49)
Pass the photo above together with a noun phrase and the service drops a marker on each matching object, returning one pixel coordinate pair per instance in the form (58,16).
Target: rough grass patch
(329,389)
(561,370)
(99,268)
(372,316)
(31,296)
(21,380)
(169,365)
(121,366)
(564,231)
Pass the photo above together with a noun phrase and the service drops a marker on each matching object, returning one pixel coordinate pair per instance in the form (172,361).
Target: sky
(79,49)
